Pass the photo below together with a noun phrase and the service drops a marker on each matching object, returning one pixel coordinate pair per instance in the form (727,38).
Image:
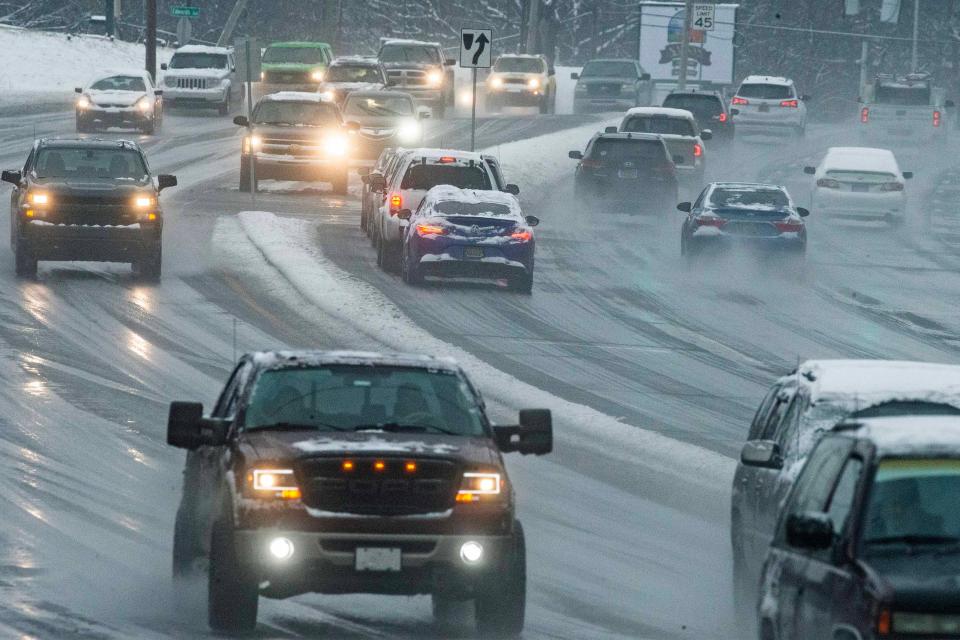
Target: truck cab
(419,68)
(294,66)
(908,108)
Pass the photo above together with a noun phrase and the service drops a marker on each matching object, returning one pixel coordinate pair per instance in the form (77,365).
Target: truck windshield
(293,55)
(119,83)
(348,397)
(353,73)
(293,113)
(198,61)
(427,176)
(903,96)
(613,68)
(659,124)
(518,65)
(90,162)
(751,198)
(417,54)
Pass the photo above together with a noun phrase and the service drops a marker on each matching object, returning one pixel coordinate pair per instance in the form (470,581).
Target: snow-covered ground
(43,68)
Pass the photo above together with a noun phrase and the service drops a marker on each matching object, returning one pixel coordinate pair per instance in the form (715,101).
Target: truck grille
(394,491)
(406,78)
(514,81)
(286,77)
(603,90)
(191,83)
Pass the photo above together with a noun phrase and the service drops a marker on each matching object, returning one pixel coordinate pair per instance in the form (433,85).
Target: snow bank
(44,67)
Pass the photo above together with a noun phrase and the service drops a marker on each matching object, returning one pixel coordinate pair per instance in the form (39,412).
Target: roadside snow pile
(44,67)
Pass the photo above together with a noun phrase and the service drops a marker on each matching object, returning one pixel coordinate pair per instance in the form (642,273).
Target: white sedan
(860,183)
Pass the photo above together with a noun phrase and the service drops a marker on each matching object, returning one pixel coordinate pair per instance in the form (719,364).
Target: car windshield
(612,68)
(198,61)
(913,502)
(518,65)
(418,54)
(762,91)
(659,124)
(907,408)
(700,106)
(283,112)
(903,95)
(353,73)
(621,149)
(752,198)
(458,208)
(427,176)
(293,55)
(90,162)
(378,106)
(348,397)
(119,83)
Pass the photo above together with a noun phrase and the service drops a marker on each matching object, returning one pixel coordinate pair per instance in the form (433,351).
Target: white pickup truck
(904,108)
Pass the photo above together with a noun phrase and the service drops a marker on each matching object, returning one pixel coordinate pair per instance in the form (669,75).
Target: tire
(184,547)
(378,245)
(245,176)
(149,127)
(339,183)
(501,600)
(544,105)
(224,107)
(232,593)
(449,614)
(150,267)
(82,127)
(25,262)
(522,283)
(388,257)
(411,273)
(800,131)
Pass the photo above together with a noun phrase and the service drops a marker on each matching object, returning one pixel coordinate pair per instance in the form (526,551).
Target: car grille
(289,147)
(407,78)
(514,81)
(191,83)
(430,489)
(603,90)
(286,77)
(91,200)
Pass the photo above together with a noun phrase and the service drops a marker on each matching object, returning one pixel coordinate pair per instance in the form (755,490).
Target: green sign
(185,12)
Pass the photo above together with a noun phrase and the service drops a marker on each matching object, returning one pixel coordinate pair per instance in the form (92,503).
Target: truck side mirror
(534,434)
(241,121)
(734,112)
(706,134)
(610,129)
(188,429)
(512,189)
(810,530)
(949,104)
(11,176)
(645,77)
(163,66)
(803,213)
(575,155)
(78,89)
(684,206)
(377,182)
(450,62)
(532,220)
(764,454)
(404,214)
(574,76)
(809,170)
(907,175)
(165,180)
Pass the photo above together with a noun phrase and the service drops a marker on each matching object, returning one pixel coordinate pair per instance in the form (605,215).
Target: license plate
(752,228)
(764,108)
(472,252)
(378,559)
(860,187)
(628,173)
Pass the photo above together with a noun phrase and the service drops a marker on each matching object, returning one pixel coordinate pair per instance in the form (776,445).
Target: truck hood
(350,86)
(411,65)
(115,98)
(605,80)
(291,66)
(292,445)
(925,581)
(300,132)
(112,187)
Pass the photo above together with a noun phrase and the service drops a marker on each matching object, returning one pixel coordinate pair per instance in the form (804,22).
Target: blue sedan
(465,233)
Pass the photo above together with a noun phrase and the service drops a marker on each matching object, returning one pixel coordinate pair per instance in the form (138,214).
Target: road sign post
(703,17)
(475,53)
(247,53)
(184,31)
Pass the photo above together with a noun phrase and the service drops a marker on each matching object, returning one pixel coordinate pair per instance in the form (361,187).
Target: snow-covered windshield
(293,55)
(903,95)
(428,176)
(765,91)
(89,162)
(383,107)
(518,65)
(119,83)
(659,124)
(347,397)
(611,68)
(415,53)
(749,198)
(459,208)
(913,503)
(353,73)
(198,61)
(284,112)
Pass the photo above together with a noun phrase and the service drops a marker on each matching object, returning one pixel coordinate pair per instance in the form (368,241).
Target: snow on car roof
(407,41)
(767,80)
(911,435)
(449,193)
(308,358)
(860,159)
(668,112)
(531,56)
(110,73)
(293,96)
(202,48)
(857,384)
(432,153)
(355,60)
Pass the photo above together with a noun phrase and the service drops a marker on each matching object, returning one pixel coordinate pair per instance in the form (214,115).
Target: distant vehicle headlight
(329,95)
(317,76)
(335,145)
(83,102)
(496,82)
(263,75)
(435,78)
(465,97)
(409,131)
(533,83)
(144,104)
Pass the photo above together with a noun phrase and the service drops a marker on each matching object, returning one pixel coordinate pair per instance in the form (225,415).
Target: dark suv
(868,542)
(337,472)
(709,109)
(625,165)
(86,199)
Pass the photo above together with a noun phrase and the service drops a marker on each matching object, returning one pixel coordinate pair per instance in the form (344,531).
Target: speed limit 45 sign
(702,17)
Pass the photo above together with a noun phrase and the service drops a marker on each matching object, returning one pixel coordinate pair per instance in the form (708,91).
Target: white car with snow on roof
(769,103)
(200,76)
(119,99)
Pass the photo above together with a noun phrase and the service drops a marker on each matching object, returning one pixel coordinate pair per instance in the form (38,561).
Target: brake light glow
(936,118)
(430,230)
(789,103)
(396,201)
(446,159)
(864,114)
(828,183)
(722,117)
(789,226)
(710,221)
(739,100)
(697,150)
(592,164)
(891,186)
(884,623)
(522,236)
(347,465)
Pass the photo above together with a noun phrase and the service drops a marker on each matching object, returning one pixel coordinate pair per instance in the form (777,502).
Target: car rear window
(621,149)
(659,124)
(903,96)
(749,198)
(458,208)
(518,65)
(613,68)
(861,176)
(89,162)
(698,105)
(765,91)
(427,176)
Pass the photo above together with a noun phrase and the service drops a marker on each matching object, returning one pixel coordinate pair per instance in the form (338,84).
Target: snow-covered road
(627,529)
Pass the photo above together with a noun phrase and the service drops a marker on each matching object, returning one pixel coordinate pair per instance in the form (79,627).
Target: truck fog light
(471,552)
(281,548)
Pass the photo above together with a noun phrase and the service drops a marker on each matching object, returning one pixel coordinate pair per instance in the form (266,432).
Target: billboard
(710,55)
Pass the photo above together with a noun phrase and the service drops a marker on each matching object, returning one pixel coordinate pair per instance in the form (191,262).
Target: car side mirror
(610,129)
(645,77)
(188,429)
(761,453)
(11,176)
(377,182)
(158,92)
(734,112)
(810,530)
(803,213)
(534,434)
(78,89)
(574,76)
(949,104)
(352,125)
(512,189)
(809,170)
(404,214)
(576,155)
(165,180)
(907,175)
(450,62)
(706,134)
(684,206)
(241,121)
(423,113)
(532,220)
(163,66)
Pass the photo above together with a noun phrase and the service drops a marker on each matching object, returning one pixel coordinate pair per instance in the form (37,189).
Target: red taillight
(789,226)
(739,100)
(789,103)
(828,183)
(591,164)
(722,117)
(891,186)
(396,201)
(936,118)
(697,150)
(447,159)
(522,236)
(710,221)
(884,623)
(864,114)
(430,230)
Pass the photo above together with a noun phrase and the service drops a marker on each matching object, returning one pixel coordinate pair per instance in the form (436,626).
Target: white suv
(769,102)
(201,77)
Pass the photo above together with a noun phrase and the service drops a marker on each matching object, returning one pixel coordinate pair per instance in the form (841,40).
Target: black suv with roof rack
(622,166)
(86,199)
(337,472)
(708,107)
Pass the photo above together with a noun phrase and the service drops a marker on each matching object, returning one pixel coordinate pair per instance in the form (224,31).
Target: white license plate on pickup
(378,559)
(472,252)
(628,173)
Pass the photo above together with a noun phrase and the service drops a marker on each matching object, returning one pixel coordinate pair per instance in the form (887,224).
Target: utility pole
(150,8)
(864,51)
(533,26)
(109,18)
(916,27)
(227,33)
(685,46)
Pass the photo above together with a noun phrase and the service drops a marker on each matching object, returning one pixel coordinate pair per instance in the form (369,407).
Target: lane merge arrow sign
(476,46)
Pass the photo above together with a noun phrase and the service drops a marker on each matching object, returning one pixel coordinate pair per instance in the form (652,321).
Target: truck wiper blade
(399,426)
(914,540)
(294,426)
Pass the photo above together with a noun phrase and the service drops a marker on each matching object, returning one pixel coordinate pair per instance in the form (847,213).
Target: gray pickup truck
(904,108)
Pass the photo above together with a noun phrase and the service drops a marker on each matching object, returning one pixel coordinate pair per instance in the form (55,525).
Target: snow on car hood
(218,74)
(115,97)
(351,86)
(375,444)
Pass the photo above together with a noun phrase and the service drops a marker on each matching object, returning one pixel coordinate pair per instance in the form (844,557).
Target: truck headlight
(143,202)
(408,131)
(496,82)
(335,145)
(435,78)
(144,104)
(263,76)
(476,485)
(251,143)
(274,483)
(317,76)
(38,198)
(329,95)
(83,102)
(533,83)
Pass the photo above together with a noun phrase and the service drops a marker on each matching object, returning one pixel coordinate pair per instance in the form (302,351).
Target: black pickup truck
(86,199)
(341,472)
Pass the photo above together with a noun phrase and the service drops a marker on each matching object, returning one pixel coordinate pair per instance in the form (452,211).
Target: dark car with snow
(420,69)
(611,85)
(348,74)
(708,107)
(635,167)
(86,199)
(343,472)
(868,542)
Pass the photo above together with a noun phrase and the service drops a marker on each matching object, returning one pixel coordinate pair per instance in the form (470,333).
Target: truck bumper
(194,97)
(270,167)
(47,241)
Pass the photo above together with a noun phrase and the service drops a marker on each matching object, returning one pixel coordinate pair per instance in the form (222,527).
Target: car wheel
(410,272)
(25,262)
(381,260)
(522,283)
(448,613)
(224,107)
(502,598)
(544,105)
(232,593)
(82,126)
(149,127)
(339,183)
(150,266)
